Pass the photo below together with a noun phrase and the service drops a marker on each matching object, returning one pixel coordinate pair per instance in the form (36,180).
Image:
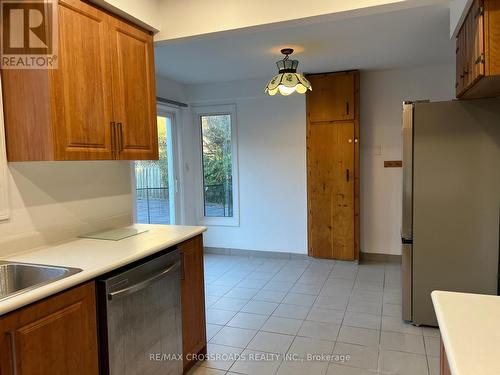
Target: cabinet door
(81,86)
(56,336)
(476,41)
(134,98)
(193,298)
(332,97)
(330,190)
(444,366)
(459,85)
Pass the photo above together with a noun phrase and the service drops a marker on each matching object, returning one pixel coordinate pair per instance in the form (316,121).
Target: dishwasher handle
(143,284)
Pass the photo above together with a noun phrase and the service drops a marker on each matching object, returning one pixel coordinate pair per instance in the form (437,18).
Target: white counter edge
(24,299)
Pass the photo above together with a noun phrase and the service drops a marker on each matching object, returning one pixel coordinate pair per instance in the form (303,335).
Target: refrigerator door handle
(407,135)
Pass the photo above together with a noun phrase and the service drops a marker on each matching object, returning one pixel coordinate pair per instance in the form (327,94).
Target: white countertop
(96,257)
(470,330)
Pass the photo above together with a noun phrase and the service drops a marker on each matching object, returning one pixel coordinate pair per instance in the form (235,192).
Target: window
(218,161)
(155,193)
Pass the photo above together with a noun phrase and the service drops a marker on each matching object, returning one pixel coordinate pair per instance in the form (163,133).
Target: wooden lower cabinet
(194,337)
(444,367)
(56,336)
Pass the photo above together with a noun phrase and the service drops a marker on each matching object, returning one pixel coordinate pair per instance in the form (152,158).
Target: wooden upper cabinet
(99,104)
(134,98)
(81,86)
(57,335)
(332,97)
(460,60)
(478,51)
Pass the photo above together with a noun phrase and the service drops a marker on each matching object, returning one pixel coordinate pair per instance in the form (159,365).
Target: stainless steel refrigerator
(451,201)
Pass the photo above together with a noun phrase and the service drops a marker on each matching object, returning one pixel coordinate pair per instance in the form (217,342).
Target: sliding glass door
(155,180)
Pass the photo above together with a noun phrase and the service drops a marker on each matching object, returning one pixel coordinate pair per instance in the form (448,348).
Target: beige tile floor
(313,317)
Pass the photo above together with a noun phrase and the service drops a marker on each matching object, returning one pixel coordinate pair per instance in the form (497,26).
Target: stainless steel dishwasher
(140,324)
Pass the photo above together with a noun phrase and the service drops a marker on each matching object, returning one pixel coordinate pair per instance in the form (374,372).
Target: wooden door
(134,95)
(332,97)
(81,86)
(56,336)
(193,299)
(330,169)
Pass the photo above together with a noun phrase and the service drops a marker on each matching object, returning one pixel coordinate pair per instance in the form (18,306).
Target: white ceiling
(399,39)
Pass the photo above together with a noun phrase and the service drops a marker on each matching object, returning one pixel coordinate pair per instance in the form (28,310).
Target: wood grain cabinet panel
(56,336)
(478,51)
(332,97)
(81,85)
(194,338)
(444,366)
(134,98)
(99,104)
(333,166)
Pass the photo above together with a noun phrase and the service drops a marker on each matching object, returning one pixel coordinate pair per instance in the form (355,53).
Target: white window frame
(208,110)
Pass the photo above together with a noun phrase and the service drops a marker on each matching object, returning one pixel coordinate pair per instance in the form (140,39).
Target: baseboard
(256,253)
(364,257)
(379,258)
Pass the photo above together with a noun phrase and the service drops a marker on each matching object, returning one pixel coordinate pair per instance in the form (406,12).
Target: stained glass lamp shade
(288,81)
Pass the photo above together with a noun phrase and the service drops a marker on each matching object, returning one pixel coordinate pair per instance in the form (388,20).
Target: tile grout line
(316,295)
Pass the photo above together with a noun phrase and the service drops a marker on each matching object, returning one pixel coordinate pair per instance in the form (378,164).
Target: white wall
(176,19)
(272,155)
(54,201)
(271,151)
(169,89)
(144,12)
(458,12)
(188,18)
(382,94)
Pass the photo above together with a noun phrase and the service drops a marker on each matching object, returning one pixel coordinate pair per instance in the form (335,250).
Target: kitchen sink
(17,278)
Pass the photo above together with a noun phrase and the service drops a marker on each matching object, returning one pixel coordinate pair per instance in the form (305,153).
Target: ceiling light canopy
(288,80)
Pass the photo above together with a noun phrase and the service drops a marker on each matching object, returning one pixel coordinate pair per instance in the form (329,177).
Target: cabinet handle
(13,355)
(347,108)
(480,11)
(120,138)
(143,284)
(347,175)
(113,137)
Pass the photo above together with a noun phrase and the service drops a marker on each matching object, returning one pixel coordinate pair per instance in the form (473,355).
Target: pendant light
(288,80)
